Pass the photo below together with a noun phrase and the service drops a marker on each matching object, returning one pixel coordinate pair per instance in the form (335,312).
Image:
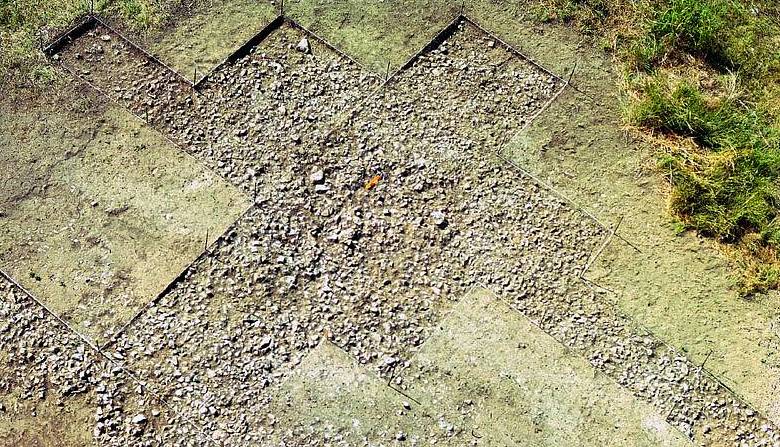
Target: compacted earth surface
(394,282)
(99,212)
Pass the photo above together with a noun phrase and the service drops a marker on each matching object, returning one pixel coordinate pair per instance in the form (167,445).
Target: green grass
(692,26)
(721,141)
(727,184)
(20,24)
(728,34)
(590,15)
(727,192)
(711,121)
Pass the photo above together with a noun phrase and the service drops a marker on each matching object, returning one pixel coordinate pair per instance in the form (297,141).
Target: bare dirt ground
(202,40)
(104,212)
(485,367)
(377,208)
(406,26)
(36,423)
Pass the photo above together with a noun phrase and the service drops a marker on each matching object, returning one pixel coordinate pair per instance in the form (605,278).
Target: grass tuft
(705,76)
(728,34)
(726,181)
(692,26)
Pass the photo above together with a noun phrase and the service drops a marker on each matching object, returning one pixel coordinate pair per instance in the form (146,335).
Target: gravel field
(375,209)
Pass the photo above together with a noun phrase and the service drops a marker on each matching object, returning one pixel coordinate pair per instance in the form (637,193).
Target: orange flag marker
(372,182)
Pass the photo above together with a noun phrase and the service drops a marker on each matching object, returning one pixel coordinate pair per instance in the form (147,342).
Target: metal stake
(387,71)
(568,81)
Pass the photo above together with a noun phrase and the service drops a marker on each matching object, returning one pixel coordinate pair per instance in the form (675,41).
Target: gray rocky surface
(373,213)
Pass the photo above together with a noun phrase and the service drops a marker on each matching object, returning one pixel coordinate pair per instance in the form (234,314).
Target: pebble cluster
(45,363)
(374,207)
(246,118)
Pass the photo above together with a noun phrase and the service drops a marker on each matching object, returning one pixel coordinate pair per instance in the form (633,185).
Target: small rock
(439,219)
(116,210)
(105,37)
(265,342)
(317,177)
(303,46)
(139,419)
(321,188)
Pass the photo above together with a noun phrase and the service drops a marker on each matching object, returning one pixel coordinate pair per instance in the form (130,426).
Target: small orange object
(372,182)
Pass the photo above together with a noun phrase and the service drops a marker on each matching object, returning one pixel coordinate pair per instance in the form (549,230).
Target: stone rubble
(43,361)
(372,213)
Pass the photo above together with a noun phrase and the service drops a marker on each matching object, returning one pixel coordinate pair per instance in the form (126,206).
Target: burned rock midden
(376,206)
